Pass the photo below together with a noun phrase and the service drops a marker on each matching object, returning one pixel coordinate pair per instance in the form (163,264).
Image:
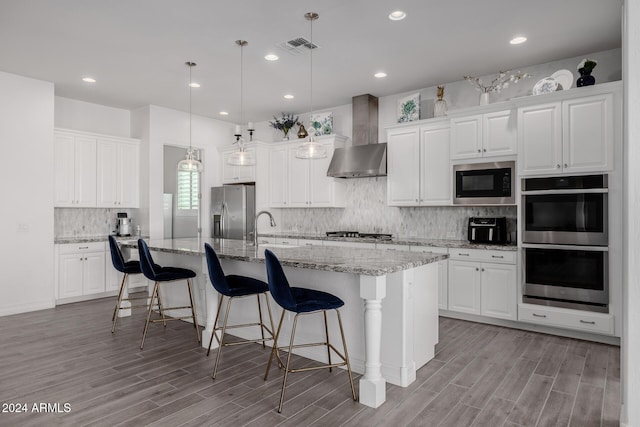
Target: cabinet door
(540,139)
(113,278)
(298,181)
(278,177)
(466,137)
(229,172)
(321,187)
(107,174)
(85,175)
(93,273)
(464,286)
(403,167)
(498,291)
(498,134)
(435,167)
(70,275)
(64,170)
(129,175)
(588,134)
(234,174)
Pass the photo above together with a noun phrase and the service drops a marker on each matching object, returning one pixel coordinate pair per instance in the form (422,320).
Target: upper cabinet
(418,166)
(569,136)
(95,171)
(303,183)
(74,171)
(118,177)
(483,135)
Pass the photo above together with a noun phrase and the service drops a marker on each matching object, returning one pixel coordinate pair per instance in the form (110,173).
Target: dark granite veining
(369,262)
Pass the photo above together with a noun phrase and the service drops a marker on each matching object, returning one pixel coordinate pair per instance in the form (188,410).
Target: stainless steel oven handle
(572,191)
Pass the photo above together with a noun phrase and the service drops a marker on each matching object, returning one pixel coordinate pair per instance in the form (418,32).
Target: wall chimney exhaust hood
(365,158)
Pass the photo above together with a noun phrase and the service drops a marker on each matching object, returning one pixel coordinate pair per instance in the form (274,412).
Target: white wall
(630,374)
(88,117)
(158,126)
(26,256)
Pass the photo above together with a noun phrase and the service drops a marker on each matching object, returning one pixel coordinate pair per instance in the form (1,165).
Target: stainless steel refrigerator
(233,209)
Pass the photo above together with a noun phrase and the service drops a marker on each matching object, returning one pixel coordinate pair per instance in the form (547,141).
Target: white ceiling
(136,49)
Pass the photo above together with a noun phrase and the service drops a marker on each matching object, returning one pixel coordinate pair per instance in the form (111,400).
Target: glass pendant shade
(311,149)
(241,158)
(190,163)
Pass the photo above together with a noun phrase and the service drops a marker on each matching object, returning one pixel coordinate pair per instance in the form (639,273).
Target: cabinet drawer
(309,242)
(265,240)
(503,257)
(74,248)
(572,319)
(429,249)
(286,241)
(392,247)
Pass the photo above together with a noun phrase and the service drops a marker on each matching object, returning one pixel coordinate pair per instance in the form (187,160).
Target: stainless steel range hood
(365,158)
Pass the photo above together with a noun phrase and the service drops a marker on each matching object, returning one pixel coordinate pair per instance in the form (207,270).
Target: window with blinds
(188,190)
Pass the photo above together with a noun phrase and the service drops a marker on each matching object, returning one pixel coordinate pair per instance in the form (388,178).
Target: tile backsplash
(77,222)
(367,212)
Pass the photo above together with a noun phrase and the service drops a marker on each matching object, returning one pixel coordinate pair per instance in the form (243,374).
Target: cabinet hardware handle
(484,149)
(308,244)
(539,315)
(461,254)
(558,166)
(497,256)
(83,247)
(589,323)
(566,165)
(483,269)
(477,269)
(479,150)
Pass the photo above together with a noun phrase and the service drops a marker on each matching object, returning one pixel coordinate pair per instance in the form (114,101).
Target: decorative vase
(585,79)
(484,98)
(286,134)
(440,105)
(302,132)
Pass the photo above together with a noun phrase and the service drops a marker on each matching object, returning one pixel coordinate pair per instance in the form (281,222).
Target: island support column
(373,289)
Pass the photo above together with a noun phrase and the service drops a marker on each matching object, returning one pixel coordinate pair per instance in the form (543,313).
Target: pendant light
(190,163)
(241,157)
(310,149)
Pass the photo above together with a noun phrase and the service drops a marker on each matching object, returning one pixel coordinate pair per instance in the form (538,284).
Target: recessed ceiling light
(397,15)
(224,113)
(380,75)
(518,40)
(288,96)
(194,84)
(271,57)
(89,79)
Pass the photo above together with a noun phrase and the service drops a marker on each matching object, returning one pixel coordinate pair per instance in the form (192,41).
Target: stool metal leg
(164,320)
(224,330)
(275,346)
(114,318)
(326,334)
(215,324)
(286,370)
(272,331)
(261,323)
(193,311)
(146,324)
(346,356)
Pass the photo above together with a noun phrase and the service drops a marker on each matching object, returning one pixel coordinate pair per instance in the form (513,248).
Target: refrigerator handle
(222,220)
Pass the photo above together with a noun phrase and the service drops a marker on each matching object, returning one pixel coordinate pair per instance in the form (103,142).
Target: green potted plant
(284,123)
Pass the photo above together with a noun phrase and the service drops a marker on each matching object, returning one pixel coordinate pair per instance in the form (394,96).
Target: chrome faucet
(255,225)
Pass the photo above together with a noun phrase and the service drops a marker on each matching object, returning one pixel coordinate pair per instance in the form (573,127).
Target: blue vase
(585,79)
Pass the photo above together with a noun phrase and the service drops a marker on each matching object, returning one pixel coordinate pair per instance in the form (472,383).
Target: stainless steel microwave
(484,184)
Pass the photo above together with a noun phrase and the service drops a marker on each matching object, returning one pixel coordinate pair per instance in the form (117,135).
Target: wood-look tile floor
(482,375)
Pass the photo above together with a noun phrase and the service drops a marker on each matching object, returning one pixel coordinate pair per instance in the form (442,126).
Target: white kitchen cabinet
(303,183)
(443,274)
(600,323)
(117,173)
(232,174)
(74,170)
(278,177)
(418,166)
(483,135)
(480,287)
(309,242)
(81,269)
(569,136)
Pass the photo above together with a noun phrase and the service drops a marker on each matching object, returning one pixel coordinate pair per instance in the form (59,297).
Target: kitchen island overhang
(389,337)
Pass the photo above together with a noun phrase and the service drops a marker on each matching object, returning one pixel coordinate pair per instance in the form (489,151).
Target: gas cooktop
(373,236)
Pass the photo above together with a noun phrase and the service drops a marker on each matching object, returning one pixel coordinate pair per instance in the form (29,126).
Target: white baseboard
(24,308)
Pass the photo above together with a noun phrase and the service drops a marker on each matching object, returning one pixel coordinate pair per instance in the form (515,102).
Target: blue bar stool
(158,274)
(126,267)
(302,301)
(234,286)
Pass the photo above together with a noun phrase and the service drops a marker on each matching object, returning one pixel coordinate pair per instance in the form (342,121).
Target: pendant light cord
(311,73)
(191,64)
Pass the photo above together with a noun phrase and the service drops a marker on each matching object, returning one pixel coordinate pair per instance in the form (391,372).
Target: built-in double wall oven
(565,241)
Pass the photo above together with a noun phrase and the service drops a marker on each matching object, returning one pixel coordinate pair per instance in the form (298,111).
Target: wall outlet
(23,228)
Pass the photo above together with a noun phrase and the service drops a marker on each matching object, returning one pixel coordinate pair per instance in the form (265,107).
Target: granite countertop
(409,241)
(369,262)
(89,239)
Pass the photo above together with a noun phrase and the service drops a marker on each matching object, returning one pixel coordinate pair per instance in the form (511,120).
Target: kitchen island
(390,336)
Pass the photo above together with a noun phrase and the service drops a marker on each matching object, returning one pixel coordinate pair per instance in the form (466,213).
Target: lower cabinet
(443,274)
(81,269)
(482,288)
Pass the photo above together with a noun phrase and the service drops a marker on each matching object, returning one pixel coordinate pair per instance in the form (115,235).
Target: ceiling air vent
(297,46)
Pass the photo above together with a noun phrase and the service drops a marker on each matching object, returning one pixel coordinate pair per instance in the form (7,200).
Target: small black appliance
(487,230)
